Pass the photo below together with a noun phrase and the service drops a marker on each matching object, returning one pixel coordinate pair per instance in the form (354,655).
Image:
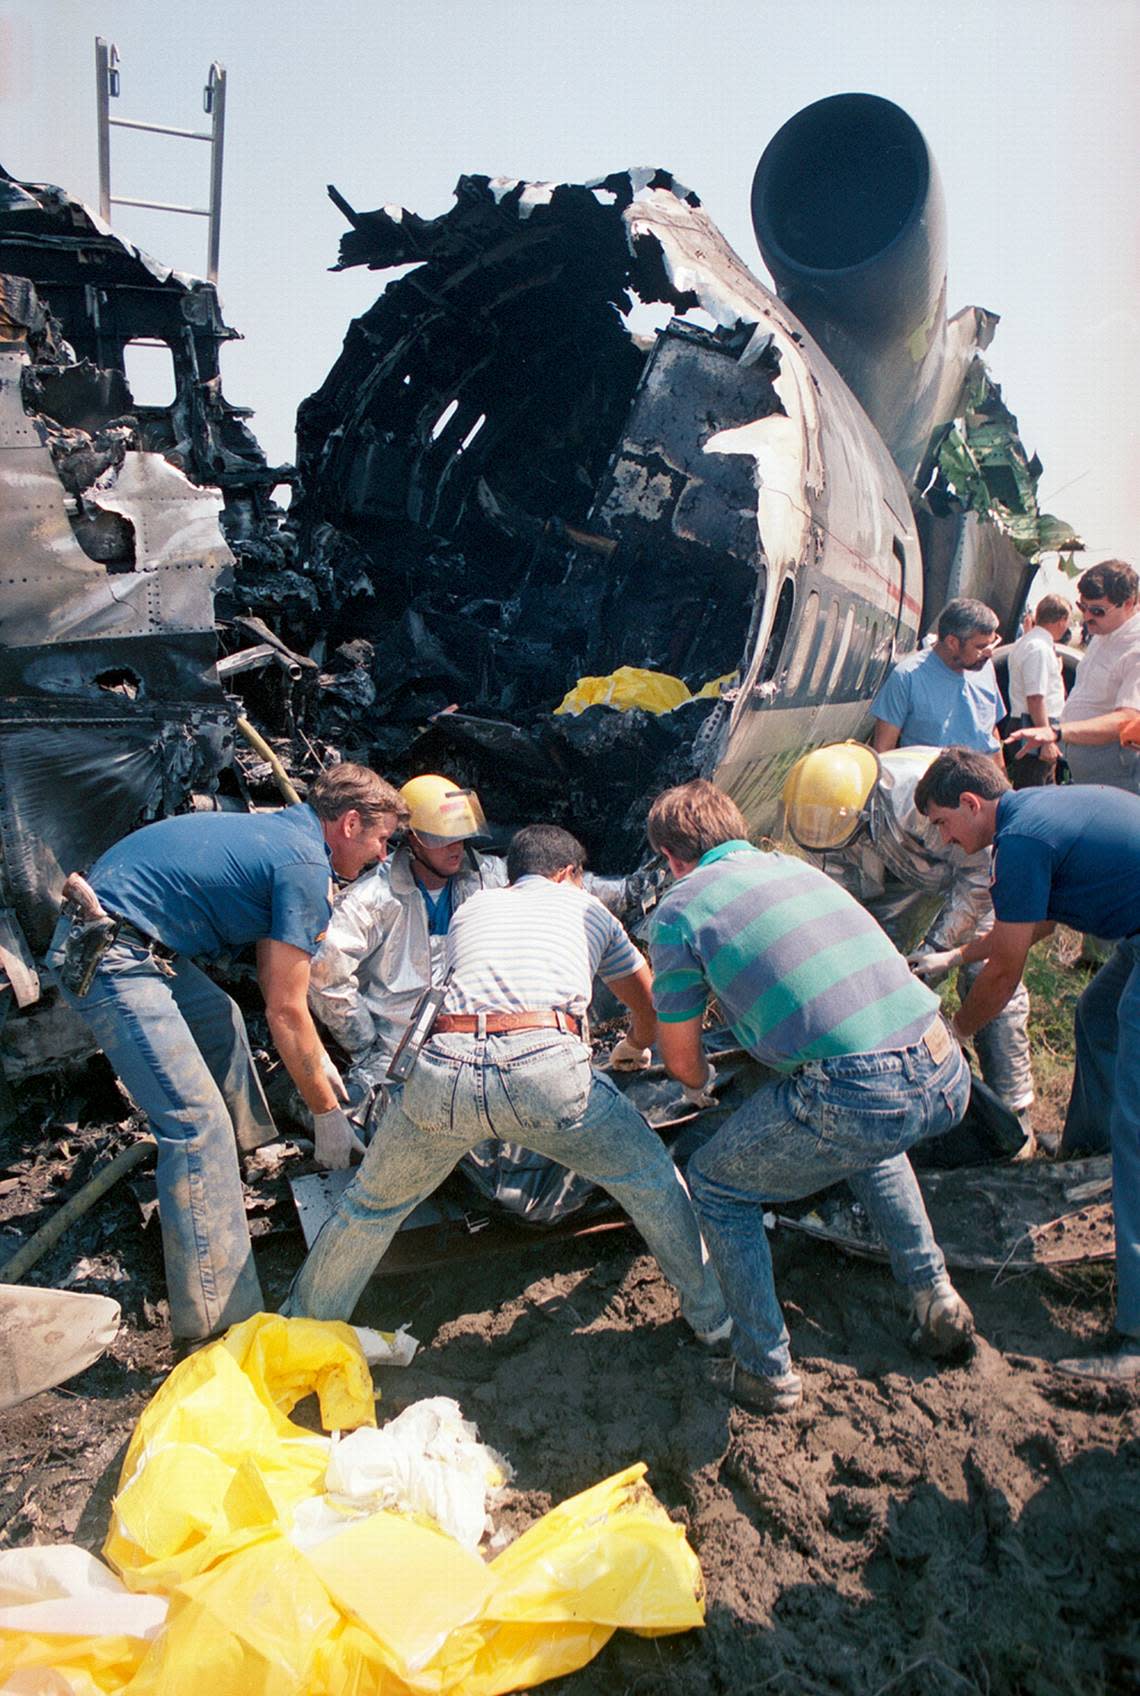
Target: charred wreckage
(575,434)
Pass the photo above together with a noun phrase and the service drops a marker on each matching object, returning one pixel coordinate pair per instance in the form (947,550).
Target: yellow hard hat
(441,811)
(826,792)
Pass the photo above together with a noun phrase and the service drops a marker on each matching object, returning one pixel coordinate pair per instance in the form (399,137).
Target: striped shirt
(800,970)
(533,946)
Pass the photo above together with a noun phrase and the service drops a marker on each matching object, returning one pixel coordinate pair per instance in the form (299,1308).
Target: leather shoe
(1117,1365)
(781,1393)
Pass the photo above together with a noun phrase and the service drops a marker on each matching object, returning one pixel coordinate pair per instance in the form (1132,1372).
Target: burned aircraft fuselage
(516,490)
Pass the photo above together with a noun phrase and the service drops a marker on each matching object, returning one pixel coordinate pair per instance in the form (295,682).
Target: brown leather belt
(493,1024)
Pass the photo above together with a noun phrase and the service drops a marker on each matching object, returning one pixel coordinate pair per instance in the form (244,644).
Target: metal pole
(215,103)
(106,61)
(93,1190)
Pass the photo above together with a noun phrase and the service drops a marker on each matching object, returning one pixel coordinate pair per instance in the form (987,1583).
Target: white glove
(701,1095)
(335,1081)
(932,966)
(625,1056)
(336,1141)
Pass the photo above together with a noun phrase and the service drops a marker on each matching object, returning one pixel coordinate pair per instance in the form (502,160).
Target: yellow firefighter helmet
(441,811)
(826,793)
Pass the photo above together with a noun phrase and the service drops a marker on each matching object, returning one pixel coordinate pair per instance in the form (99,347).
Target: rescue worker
(387,937)
(1064,856)
(854,812)
(196,885)
(815,991)
(947,692)
(1037,690)
(507,1057)
(1107,688)
(387,941)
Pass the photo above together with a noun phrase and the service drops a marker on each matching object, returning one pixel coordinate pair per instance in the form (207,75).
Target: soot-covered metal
(114,518)
(509,487)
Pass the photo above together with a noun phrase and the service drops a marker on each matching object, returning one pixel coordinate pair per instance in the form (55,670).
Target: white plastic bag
(428,1460)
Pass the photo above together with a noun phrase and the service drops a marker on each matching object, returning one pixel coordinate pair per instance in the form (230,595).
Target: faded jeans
(852,1117)
(179,1044)
(536,1088)
(1104,1108)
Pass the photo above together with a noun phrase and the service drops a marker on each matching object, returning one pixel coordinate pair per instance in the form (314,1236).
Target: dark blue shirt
(1072,855)
(204,882)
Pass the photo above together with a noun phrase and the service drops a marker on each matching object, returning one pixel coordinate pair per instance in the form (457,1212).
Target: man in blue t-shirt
(945,695)
(1064,856)
(199,884)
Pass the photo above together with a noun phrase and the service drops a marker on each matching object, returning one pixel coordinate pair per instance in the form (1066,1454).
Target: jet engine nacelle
(848,212)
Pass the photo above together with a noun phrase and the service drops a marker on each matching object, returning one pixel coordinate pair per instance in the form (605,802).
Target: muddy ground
(910,1530)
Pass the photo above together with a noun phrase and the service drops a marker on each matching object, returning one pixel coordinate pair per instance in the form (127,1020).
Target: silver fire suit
(928,897)
(377,957)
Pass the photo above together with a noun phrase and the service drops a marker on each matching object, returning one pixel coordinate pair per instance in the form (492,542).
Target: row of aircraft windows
(843,655)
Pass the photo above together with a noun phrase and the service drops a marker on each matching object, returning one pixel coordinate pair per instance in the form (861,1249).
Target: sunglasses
(1092,612)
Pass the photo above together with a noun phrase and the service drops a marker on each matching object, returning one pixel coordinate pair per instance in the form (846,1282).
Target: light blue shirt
(940,708)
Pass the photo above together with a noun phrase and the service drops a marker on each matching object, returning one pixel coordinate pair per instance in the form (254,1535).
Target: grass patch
(1055,974)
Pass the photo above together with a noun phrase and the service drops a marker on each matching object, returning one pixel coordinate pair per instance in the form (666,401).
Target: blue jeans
(1104,1108)
(852,1117)
(179,1044)
(536,1088)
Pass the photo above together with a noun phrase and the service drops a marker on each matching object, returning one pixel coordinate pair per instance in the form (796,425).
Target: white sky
(1029,107)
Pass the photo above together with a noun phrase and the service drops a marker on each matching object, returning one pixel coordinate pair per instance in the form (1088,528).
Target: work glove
(931,965)
(626,1056)
(701,1095)
(332,1074)
(336,1141)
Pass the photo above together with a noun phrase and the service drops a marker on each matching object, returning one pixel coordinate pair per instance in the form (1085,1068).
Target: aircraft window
(444,419)
(826,645)
(798,663)
(843,651)
(149,368)
(780,623)
(880,648)
(870,638)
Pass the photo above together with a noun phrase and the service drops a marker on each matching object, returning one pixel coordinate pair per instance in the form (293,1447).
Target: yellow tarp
(388,1606)
(630,686)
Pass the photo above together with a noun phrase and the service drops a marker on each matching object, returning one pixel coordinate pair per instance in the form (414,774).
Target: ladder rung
(158,129)
(161,206)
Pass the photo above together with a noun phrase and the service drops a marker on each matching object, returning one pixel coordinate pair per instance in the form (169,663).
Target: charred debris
(574,433)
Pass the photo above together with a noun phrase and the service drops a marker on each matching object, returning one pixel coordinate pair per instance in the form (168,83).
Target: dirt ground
(909,1530)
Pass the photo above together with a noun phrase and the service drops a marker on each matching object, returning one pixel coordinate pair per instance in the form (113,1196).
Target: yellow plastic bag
(67,1624)
(385,1606)
(215,1463)
(610,1557)
(628,686)
(257,1624)
(715,687)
